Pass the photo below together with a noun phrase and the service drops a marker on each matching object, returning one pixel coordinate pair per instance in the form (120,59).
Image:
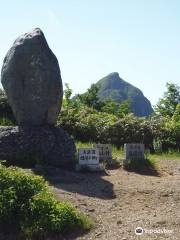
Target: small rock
(91,210)
(98,234)
(83,204)
(166,194)
(161,222)
(119,222)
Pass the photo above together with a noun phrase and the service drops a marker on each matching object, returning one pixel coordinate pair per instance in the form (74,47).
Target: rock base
(51,145)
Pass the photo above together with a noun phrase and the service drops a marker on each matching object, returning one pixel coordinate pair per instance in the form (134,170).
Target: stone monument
(32,81)
(133,151)
(105,152)
(89,160)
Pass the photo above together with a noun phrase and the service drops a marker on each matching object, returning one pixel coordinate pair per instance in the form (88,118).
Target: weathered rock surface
(50,144)
(31,78)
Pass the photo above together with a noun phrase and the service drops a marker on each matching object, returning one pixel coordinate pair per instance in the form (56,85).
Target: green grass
(151,162)
(117,153)
(167,155)
(84,145)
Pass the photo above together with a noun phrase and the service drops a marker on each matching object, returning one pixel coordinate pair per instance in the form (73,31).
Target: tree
(67,95)
(110,106)
(176,115)
(91,98)
(167,105)
(124,108)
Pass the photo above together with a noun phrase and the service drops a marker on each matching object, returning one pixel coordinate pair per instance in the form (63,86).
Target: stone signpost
(133,151)
(105,152)
(88,158)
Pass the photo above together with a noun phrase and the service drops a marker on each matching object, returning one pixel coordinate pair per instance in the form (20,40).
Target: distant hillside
(112,86)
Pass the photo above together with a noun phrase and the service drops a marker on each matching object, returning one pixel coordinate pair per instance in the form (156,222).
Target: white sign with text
(88,156)
(134,151)
(105,151)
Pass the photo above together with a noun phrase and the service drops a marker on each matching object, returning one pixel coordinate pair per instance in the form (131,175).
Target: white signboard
(134,151)
(88,156)
(105,151)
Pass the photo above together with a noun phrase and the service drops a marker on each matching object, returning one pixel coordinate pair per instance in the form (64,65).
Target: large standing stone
(31,78)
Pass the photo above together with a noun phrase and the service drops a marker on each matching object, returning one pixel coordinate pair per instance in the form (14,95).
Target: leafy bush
(166,132)
(131,129)
(86,124)
(30,210)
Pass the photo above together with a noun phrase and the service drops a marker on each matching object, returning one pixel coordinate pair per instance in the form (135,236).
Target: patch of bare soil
(120,201)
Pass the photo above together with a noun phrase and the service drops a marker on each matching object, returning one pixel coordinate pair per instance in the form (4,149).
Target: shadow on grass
(90,184)
(148,167)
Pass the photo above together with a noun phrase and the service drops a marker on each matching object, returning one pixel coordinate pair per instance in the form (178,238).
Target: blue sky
(140,39)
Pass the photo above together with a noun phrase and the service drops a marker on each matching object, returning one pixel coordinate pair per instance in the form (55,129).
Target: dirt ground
(120,201)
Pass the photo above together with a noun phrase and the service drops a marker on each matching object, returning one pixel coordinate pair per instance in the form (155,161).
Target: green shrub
(30,210)
(130,129)
(49,216)
(86,124)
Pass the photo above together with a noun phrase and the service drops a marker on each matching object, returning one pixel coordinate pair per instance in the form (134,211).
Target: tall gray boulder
(31,78)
